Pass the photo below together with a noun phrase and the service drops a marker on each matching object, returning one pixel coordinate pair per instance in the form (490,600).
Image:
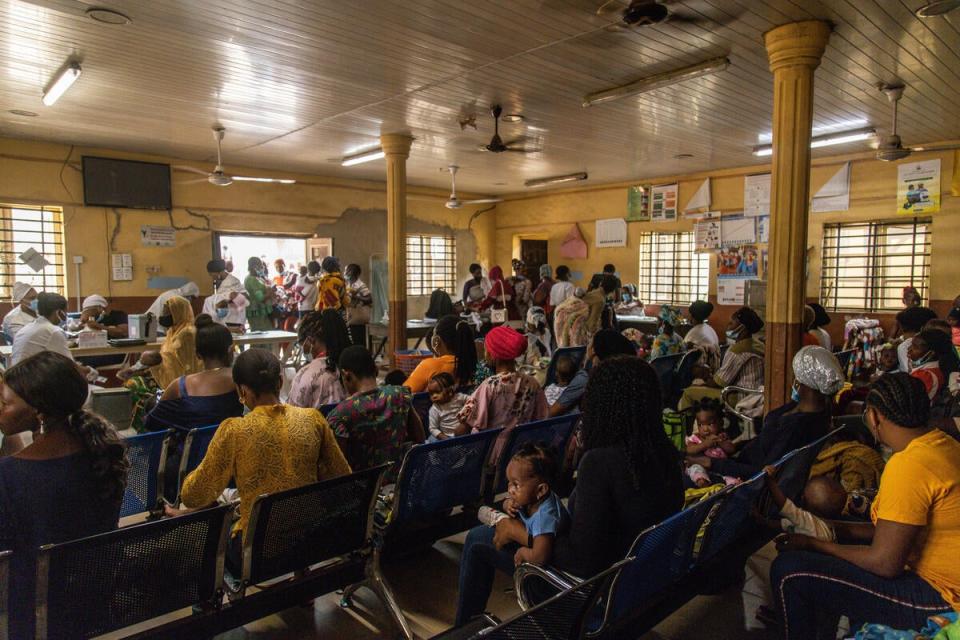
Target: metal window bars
(431,264)
(23,227)
(671,270)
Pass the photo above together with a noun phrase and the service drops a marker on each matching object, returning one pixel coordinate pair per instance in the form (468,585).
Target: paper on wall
(731,290)
(611,232)
(706,235)
(763,229)
(736,230)
(918,187)
(34,259)
(121,266)
(756,195)
(573,245)
(663,203)
(835,194)
(154,236)
(700,199)
(638,203)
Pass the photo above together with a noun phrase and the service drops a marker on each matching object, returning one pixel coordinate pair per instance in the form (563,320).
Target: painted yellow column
(396,147)
(794,51)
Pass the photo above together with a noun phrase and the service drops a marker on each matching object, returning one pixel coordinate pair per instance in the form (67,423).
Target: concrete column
(396,147)
(794,51)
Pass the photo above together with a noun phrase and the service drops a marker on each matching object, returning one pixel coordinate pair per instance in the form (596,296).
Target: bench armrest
(559,579)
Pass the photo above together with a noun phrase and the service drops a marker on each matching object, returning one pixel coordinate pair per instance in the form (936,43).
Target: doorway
(237,248)
(534,255)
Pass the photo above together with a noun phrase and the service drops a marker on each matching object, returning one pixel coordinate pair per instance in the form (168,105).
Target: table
(648,324)
(243,339)
(418,329)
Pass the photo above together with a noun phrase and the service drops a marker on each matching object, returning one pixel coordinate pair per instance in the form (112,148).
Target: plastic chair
(421,404)
(555,432)
(105,582)
(682,377)
(194,449)
(577,354)
(844,357)
(147,454)
(666,367)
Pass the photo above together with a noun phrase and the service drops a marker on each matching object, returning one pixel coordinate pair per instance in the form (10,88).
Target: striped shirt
(741,368)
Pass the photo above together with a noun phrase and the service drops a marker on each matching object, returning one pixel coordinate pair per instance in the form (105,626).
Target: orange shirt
(428,368)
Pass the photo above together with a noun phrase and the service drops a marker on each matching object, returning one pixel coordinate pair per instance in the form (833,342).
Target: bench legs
(378,584)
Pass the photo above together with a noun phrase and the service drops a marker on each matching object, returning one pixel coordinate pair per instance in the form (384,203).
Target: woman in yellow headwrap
(157,369)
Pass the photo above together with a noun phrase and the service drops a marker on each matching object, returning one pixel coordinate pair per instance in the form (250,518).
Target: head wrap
(607,343)
(536,316)
(809,317)
(669,315)
(546,271)
(516,264)
(817,368)
(749,318)
(496,273)
(189,289)
(631,289)
(579,292)
(93,301)
(633,335)
(822,318)
(700,310)
(503,343)
(216,266)
(20,289)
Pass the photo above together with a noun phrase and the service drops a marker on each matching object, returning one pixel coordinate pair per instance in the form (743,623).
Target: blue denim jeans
(478,566)
(812,590)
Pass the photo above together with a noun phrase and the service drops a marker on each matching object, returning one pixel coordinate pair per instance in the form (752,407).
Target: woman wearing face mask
(932,361)
(67,484)
(260,294)
(273,448)
(157,369)
(817,377)
(454,352)
(903,566)
(323,337)
(24,310)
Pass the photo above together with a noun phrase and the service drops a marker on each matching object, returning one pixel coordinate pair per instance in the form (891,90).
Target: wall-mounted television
(127,184)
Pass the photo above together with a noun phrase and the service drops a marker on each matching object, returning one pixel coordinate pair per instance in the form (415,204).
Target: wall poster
(918,187)
(663,203)
(638,203)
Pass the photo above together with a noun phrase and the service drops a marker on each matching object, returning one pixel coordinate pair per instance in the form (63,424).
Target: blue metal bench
(555,432)
(4,591)
(102,583)
(666,367)
(194,448)
(682,377)
(577,354)
(147,454)
(421,404)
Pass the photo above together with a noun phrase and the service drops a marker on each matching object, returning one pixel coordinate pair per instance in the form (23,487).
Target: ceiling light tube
(271,180)
(840,137)
(360,158)
(657,81)
(543,182)
(60,83)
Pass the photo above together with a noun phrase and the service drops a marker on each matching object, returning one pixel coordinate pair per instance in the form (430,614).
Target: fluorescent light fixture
(543,182)
(657,81)
(364,156)
(840,137)
(273,180)
(60,83)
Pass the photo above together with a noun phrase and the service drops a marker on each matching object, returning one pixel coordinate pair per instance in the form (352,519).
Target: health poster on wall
(738,262)
(763,229)
(918,187)
(706,235)
(663,202)
(736,230)
(731,291)
(638,203)
(756,195)
(154,236)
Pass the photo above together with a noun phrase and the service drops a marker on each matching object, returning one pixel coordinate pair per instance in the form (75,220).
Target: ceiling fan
(890,148)
(219,178)
(454,202)
(497,145)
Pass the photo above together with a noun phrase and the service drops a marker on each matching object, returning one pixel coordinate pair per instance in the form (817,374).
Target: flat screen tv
(127,184)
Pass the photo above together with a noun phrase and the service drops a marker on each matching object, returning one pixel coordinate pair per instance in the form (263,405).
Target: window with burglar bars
(22,228)
(671,271)
(431,264)
(866,265)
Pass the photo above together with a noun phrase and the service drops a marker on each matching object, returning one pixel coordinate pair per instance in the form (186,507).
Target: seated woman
(67,484)
(273,448)
(701,335)
(374,422)
(501,295)
(454,352)
(667,342)
(157,369)
(817,377)
(742,365)
(570,321)
(539,339)
(206,397)
(318,383)
(902,567)
(629,478)
(507,398)
(932,361)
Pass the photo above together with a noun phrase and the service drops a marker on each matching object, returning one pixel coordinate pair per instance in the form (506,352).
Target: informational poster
(663,202)
(738,262)
(835,194)
(121,266)
(638,203)
(735,230)
(756,195)
(611,232)
(918,187)
(731,291)
(763,229)
(153,236)
(706,235)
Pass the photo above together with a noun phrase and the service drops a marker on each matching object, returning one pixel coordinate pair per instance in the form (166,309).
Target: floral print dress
(373,426)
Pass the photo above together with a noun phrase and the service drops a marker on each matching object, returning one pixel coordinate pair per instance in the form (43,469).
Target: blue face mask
(733,334)
(627,298)
(922,361)
(33,305)
(795,393)
(222,312)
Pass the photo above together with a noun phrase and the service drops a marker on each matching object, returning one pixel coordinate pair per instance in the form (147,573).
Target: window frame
(51,244)
(683,250)
(418,282)
(877,280)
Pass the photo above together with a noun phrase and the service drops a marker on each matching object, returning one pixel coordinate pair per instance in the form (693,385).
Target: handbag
(499,316)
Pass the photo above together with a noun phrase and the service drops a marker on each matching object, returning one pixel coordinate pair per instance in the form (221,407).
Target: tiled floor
(425,586)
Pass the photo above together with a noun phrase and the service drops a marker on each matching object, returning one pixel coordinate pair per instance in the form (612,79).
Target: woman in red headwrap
(507,398)
(501,292)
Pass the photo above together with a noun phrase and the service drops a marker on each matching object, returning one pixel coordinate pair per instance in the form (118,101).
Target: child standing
(534,514)
(564,374)
(447,403)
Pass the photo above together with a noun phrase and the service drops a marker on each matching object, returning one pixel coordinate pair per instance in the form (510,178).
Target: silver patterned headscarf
(817,368)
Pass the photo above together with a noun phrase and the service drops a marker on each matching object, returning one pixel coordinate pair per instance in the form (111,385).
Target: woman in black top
(630,477)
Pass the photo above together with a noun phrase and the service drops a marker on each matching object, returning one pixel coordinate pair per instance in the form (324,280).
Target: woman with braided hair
(323,335)
(68,484)
(629,478)
(454,352)
(903,566)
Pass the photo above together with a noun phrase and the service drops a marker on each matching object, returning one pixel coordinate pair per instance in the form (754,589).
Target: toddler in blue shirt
(534,514)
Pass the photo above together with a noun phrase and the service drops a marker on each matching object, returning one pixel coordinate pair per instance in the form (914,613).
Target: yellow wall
(40,173)
(873,197)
